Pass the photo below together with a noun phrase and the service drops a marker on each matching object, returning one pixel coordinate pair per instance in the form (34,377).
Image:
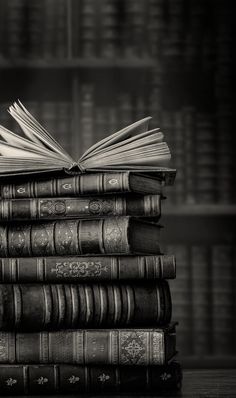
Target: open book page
(35,132)
(134,148)
(138,127)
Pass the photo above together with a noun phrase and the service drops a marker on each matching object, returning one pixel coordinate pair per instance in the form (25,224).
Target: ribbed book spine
(46,307)
(84,269)
(90,347)
(118,235)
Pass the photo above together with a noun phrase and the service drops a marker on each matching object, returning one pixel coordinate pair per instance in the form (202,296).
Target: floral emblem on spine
(113,237)
(42,380)
(113,181)
(73,379)
(103,378)
(165,376)
(101,207)
(133,347)
(19,240)
(10,382)
(81,269)
(41,237)
(50,208)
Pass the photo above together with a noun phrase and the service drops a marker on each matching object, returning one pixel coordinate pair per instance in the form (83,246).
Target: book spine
(85,269)
(201,299)
(87,27)
(155,27)
(108,29)
(224,94)
(49,34)
(14,32)
(61,29)
(189,139)
(206,159)
(34,29)
(71,379)
(44,209)
(89,347)
(46,307)
(173,43)
(222,300)
(68,186)
(73,237)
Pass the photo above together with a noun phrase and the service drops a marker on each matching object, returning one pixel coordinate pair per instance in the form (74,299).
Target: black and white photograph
(117,198)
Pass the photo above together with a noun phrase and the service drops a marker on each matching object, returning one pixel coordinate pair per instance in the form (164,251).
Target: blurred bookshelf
(88,68)
(199,210)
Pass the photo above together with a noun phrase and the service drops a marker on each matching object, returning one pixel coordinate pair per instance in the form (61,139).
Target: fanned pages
(132,148)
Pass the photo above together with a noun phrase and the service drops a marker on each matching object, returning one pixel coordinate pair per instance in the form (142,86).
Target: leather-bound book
(53,307)
(74,379)
(117,235)
(84,184)
(83,207)
(139,346)
(86,268)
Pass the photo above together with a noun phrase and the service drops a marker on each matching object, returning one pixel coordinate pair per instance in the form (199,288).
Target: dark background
(89,67)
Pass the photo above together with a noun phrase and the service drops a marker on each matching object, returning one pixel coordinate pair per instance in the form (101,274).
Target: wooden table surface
(197,383)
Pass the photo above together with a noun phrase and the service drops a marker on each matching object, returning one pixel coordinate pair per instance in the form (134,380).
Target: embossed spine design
(79,268)
(91,207)
(86,347)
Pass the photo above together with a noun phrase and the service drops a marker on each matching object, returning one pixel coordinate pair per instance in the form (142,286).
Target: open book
(132,148)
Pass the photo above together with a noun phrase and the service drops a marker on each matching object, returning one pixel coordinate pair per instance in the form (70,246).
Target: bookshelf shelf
(75,63)
(200,210)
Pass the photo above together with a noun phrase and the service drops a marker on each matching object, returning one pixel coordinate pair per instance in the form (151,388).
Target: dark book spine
(201,300)
(71,379)
(46,307)
(90,347)
(223,310)
(86,207)
(68,186)
(119,235)
(85,269)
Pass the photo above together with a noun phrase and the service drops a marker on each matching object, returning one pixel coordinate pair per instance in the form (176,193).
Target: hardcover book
(156,346)
(86,268)
(117,235)
(52,307)
(107,182)
(86,207)
(73,379)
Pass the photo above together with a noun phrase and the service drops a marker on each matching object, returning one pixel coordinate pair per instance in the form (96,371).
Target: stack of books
(85,305)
